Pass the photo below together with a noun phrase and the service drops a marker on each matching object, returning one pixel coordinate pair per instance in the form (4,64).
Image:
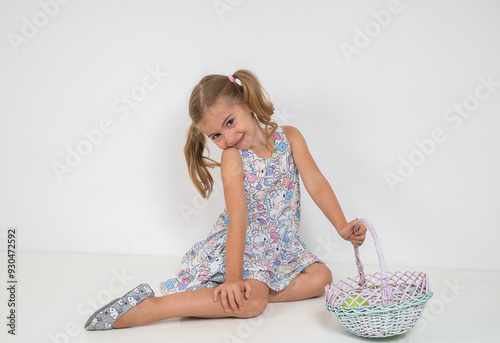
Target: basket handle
(386,291)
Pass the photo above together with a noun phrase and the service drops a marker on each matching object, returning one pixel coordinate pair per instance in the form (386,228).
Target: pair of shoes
(104,317)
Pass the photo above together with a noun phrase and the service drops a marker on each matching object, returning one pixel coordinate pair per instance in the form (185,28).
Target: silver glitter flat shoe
(104,317)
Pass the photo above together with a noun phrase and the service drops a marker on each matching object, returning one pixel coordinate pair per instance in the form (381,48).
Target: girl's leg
(309,283)
(198,303)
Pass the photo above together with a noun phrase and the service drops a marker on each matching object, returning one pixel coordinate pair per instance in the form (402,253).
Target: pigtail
(197,163)
(256,97)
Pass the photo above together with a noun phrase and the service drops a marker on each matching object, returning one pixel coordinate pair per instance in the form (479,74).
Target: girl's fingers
(232,297)
(230,300)
(352,223)
(223,300)
(234,301)
(248,290)
(349,227)
(357,240)
(216,293)
(362,230)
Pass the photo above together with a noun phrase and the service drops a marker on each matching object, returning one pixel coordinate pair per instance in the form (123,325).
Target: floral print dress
(274,253)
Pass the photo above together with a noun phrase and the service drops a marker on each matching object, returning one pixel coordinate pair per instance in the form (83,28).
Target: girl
(253,255)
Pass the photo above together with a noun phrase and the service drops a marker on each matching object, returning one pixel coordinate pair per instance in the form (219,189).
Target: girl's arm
(236,206)
(319,189)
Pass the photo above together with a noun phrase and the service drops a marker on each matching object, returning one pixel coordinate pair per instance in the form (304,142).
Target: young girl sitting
(253,255)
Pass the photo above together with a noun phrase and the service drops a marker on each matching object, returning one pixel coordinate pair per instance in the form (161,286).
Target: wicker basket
(380,305)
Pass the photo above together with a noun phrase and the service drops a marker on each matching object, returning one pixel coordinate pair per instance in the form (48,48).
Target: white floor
(57,292)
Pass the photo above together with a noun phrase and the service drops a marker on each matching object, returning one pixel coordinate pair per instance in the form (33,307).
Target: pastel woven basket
(381,305)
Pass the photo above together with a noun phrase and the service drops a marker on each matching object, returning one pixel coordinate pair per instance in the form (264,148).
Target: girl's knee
(253,306)
(320,274)
(326,275)
(257,302)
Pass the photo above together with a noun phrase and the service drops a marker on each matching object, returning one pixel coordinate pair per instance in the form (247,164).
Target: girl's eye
(229,123)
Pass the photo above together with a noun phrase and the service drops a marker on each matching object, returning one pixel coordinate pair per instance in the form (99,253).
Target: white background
(63,67)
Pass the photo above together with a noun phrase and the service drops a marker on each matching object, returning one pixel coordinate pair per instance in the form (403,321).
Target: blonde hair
(204,95)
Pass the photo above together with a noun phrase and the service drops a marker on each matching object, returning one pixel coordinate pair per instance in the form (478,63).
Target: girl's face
(230,125)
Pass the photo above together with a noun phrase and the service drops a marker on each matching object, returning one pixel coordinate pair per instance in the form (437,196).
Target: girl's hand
(231,294)
(347,233)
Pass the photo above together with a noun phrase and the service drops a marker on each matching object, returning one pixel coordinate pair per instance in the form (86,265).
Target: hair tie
(232,79)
